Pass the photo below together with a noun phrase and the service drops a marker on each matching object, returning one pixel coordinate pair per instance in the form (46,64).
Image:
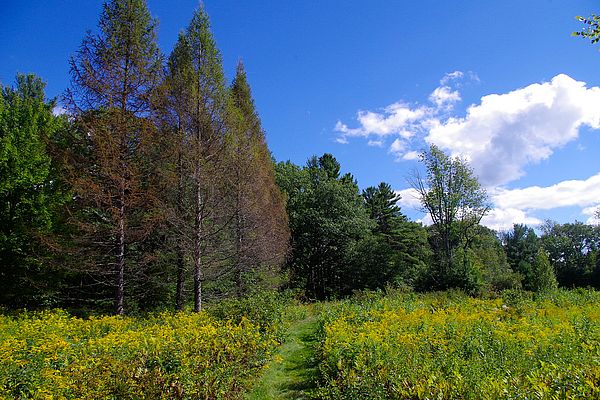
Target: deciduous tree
(456,202)
(114,74)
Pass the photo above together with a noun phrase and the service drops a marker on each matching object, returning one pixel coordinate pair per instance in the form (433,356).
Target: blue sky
(499,82)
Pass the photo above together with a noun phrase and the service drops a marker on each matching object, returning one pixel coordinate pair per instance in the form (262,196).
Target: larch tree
(195,111)
(113,77)
(174,110)
(260,227)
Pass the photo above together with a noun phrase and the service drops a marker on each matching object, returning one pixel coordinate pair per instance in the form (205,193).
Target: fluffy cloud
(444,97)
(505,132)
(409,198)
(403,121)
(499,136)
(581,193)
(395,119)
(503,219)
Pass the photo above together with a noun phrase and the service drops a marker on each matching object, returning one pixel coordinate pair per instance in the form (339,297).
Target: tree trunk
(179,298)
(239,285)
(120,265)
(179,291)
(198,248)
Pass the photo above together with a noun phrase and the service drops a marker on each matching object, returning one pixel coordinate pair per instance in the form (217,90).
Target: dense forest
(155,189)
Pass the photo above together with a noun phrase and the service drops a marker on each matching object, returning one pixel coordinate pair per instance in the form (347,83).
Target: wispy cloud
(402,121)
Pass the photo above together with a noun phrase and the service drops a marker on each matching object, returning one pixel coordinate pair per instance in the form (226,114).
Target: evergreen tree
(114,75)
(398,251)
(328,221)
(260,230)
(381,203)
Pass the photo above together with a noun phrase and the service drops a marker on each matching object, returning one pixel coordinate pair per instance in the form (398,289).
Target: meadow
(450,346)
(443,345)
(52,355)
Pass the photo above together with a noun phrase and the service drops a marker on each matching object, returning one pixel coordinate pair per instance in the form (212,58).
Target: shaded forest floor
(292,373)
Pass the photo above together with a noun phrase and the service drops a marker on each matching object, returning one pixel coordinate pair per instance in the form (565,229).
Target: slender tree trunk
(198,246)
(179,298)
(239,285)
(179,292)
(120,265)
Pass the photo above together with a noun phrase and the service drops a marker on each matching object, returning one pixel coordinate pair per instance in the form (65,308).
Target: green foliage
(448,345)
(381,204)
(175,356)
(592,29)
(521,246)
(30,190)
(265,309)
(456,202)
(543,278)
(571,250)
(327,221)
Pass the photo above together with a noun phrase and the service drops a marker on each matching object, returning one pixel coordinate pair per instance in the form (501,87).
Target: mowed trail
(292,372)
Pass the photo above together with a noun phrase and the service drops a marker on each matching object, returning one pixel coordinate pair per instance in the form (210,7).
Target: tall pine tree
(260,229)
(195,112)
(114,75)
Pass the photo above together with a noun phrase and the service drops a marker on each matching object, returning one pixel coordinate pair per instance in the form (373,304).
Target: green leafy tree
(30,194)
(591,31)
(456,202)
(328,221)
(521,246)
(489,258)
(571,249)
(543,277)
(114,76)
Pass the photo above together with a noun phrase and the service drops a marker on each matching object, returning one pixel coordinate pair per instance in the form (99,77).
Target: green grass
(292,373)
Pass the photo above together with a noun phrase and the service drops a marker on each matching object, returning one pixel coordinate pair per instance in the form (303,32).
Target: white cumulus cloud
(507,131)
(581,193)
(395,119)
(502,219)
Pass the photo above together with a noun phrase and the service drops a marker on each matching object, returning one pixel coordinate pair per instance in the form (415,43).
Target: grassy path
(292,372)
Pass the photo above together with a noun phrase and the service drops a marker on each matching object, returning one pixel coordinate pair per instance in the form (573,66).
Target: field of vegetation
(51,355)
(443,345)
(450,346)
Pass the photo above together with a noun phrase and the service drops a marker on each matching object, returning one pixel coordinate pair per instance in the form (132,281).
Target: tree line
(344,239)
(156,186)
(156,189)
